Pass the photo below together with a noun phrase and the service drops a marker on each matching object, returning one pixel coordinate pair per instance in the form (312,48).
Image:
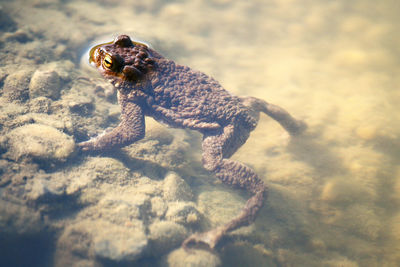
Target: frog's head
(123,62)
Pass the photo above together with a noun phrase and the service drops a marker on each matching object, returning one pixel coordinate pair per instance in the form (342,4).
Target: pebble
(16,85)
(183,213)
(45,83)
(158,206)
(165,235)
(115,242)
(95,171)
(46,190)
(40,142)
(156,131)
(40,104)
(192,258)
(20,36)
(176,189)
(82,105)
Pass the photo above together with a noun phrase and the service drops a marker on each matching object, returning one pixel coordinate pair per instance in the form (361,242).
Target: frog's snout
(93,55)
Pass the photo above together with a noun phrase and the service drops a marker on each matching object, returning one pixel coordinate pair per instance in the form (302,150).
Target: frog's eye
(108,61)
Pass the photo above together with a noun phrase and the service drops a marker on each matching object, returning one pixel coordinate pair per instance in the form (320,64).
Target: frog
(148,84)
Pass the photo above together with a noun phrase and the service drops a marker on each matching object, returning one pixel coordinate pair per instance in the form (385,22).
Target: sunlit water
(334,192)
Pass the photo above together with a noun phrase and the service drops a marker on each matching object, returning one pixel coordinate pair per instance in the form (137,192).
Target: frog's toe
(84,146)
(207,240)
(298,128)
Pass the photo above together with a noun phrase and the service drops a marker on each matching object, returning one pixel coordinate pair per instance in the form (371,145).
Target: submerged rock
(45,83)
(165,235)
(184,213)
(16,85)
(192,258)
(40,142)
(45,189)
(115,242)
(40,104)
(176,189)
(89,241)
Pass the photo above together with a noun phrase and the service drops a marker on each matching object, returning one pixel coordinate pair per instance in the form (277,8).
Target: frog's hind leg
(217,148)
(293,126)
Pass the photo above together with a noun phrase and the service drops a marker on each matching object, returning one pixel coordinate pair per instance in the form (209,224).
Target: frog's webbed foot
(86,146)
(97,144)
(207,240)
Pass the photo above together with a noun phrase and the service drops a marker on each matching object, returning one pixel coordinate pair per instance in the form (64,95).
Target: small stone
(219,206)
(147,186)
(122,207)
(45,83)
(165,235)
(20,36)
(82,105)
(40,104)
(39,142)
(95,171)
(46,190)
(64,68)
(156,131)
(16,85)
(176,189)
(183,213)
(158,206)
(192,258)
(119,243)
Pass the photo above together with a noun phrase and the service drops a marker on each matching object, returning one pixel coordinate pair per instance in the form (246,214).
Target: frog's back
(192,94)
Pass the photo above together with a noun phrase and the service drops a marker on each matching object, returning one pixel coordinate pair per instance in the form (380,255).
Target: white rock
(40,142)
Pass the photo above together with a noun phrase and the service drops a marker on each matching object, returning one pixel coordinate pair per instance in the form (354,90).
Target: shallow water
(334,192)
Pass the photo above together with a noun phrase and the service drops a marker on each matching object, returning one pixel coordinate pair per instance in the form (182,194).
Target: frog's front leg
(217,148)
(130,129)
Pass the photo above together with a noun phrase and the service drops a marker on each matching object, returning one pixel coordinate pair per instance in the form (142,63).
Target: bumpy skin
(150,85)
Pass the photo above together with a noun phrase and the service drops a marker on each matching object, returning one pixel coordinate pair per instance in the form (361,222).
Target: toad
(150,85)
